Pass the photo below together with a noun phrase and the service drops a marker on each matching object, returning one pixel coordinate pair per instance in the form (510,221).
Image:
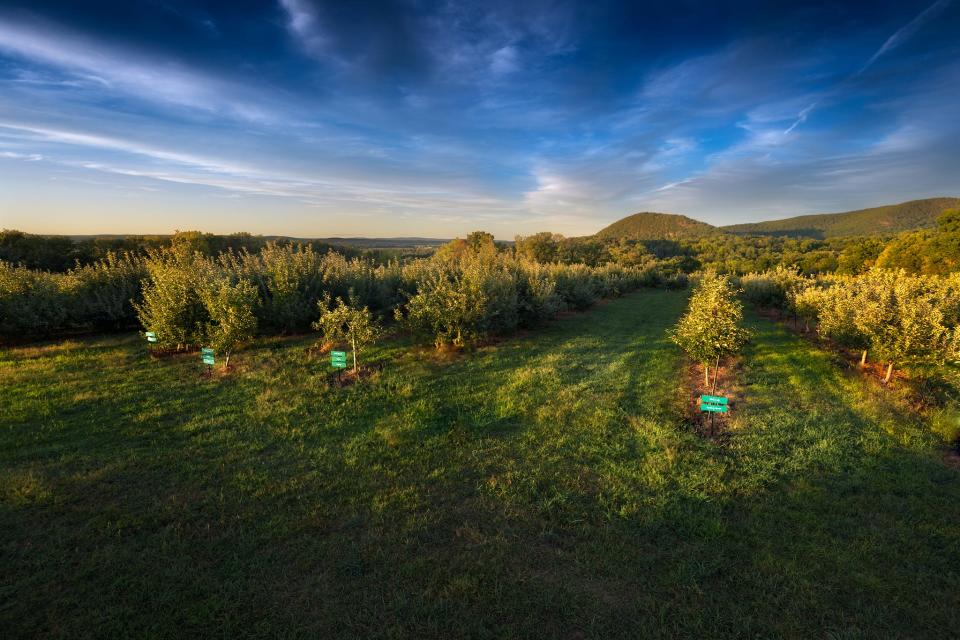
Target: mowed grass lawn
(544,487)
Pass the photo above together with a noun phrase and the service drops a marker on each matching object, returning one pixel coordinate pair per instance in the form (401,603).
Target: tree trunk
(706,375)
(716,372)
(353,343)
(863,359)
(226,362)
(886,379)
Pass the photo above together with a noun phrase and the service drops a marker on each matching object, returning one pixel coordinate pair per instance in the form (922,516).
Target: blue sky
(310,118)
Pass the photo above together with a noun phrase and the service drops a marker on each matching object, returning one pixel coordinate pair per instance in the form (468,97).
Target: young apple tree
(231,308)
(711,329)
(348,322)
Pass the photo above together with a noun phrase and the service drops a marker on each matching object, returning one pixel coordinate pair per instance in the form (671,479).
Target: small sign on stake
(206,355)
(714,408)
(714,404)
(151,336)
(338,359)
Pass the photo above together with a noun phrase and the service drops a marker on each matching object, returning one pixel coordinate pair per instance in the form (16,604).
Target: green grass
(546,486)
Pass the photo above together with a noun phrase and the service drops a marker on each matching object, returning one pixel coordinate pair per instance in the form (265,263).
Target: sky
(315,119)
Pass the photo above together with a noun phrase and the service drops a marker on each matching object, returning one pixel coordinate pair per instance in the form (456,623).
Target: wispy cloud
(899,37)
(127,146)
(906,32)
(125,72)
(802,116)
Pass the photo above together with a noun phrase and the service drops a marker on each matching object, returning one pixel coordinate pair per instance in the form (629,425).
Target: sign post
(714,405)
(338,360)
(151,336)
(207,356)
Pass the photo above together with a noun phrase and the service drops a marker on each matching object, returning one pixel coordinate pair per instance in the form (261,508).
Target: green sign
(151,336)
(714,408)
(714,404)
(338,359)
(207,356)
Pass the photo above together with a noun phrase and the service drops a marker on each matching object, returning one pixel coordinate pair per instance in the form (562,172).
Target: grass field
(546,486)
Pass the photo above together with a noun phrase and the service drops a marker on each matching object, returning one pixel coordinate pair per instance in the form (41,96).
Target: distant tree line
(933,251)
(61,253)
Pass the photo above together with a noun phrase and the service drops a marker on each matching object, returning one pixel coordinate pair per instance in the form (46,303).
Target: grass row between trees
(544,486)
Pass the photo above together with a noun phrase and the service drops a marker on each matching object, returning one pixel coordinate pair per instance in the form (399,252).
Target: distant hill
(916,214)
(654,226)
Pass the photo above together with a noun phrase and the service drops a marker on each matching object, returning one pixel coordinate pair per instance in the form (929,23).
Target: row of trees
(902,319)
(458,297)
(91,297)
(467,291)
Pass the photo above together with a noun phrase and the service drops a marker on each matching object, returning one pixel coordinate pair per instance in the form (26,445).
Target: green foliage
(901,317)
(773,289)
(576,285)
(290,278)
(348,323)
(47,253)
(858,255)
(711,327)
(459,304)
(807,304)
(230,307)
(32,303)
(172,305)
(926,252)
(191,301)
(537,295)
(96,296)
(539,247)
(837,314)
(463,295)
(481,242)
(102,292)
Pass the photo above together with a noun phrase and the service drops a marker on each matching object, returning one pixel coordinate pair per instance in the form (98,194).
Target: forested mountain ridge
(885,220)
